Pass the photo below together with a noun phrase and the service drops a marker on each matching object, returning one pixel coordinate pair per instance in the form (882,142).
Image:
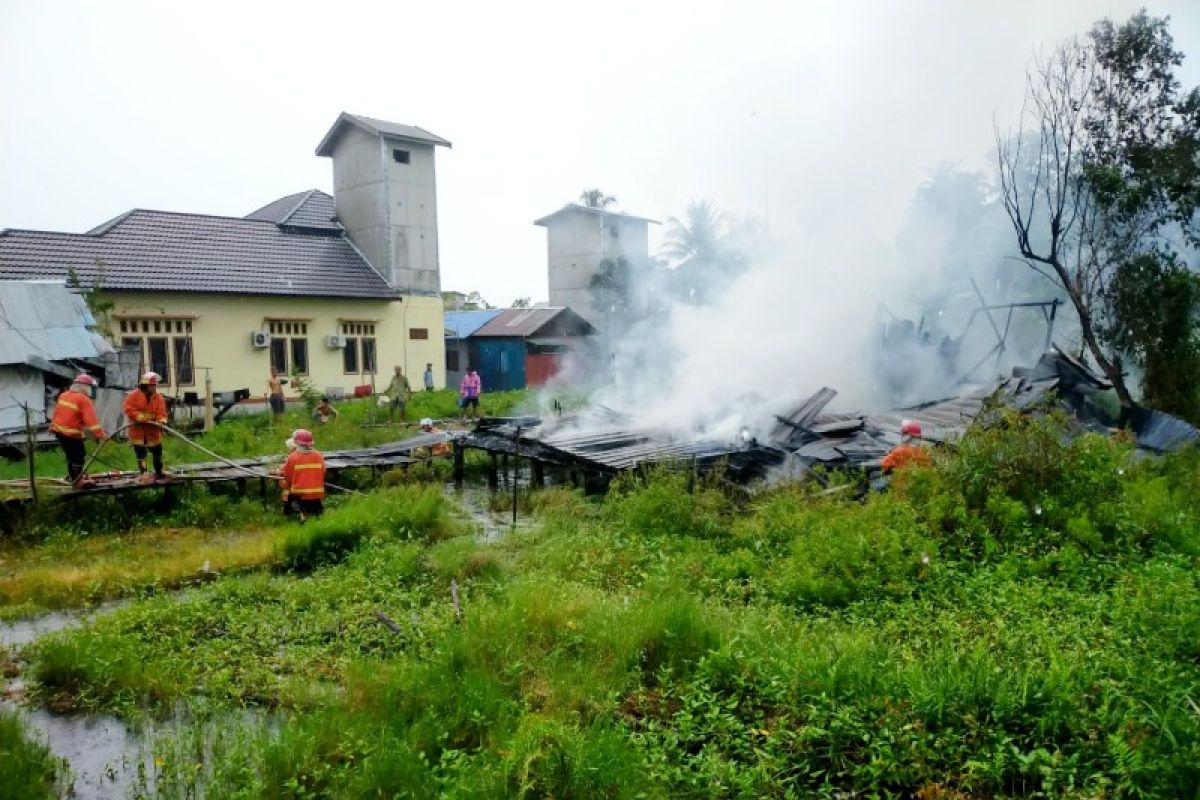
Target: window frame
(350,360)
(299,364)
(163,369)
(181,346)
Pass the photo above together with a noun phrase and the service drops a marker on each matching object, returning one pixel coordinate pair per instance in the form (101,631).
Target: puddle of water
(475,502)
(23,631)
(105,756)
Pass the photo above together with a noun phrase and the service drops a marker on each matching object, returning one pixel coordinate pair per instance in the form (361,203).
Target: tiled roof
(377,127)
(547,320)
(311,209)
(165,251)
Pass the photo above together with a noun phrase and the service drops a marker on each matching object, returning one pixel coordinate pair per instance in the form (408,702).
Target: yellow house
(338,290)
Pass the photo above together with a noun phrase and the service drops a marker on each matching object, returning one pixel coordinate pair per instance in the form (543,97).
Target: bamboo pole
(31,446)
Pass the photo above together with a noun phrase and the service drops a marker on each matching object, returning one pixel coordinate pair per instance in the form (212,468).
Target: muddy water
(473,500)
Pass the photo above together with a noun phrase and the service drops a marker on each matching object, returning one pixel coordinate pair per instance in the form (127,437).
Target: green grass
(1018,620)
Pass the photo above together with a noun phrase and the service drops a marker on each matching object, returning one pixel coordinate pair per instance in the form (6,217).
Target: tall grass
(28,771)
(1017,620)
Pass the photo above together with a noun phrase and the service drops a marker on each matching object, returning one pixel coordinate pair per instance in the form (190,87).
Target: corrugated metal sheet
(530,322)
(461,324)
(42,319)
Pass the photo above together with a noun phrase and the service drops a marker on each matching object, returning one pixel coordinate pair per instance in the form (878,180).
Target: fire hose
(206,451)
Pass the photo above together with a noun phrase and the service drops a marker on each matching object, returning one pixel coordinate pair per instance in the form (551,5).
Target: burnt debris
(602,443)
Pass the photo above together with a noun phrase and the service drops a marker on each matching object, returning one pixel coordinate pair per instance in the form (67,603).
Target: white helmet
(426,422)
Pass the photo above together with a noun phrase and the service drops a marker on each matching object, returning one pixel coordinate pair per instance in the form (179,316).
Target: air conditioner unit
(335,341)
(260,339)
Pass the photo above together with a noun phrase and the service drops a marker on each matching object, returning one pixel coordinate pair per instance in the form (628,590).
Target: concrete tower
(385,192)
(578,238)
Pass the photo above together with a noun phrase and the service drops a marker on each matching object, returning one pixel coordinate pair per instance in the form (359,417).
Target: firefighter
(302,477)
(437,448)
(146,410)
(75,416)
(910,449)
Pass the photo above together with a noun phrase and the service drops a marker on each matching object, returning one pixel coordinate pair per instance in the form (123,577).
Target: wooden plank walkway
(392,454)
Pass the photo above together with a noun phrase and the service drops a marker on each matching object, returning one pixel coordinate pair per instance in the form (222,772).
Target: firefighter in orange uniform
(302,477)
(75,416)
(909,451)
(146,410)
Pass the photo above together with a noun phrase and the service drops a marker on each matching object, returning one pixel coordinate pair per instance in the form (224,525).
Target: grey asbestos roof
(575,208)
(163,251)
(312,209)
(42,319)
(377,127)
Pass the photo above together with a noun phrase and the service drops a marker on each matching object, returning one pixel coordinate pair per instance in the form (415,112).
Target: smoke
(887,319)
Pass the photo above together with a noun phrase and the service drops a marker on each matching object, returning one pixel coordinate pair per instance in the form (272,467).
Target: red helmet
(85,379)
(303,437)
(910,427)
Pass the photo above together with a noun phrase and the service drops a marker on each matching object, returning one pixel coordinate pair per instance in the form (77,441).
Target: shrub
(668,503)
(842,552)
(407,513)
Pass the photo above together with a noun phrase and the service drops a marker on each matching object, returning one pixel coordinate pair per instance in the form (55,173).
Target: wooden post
(208,400)
(516,449)
(493,476)
(459,467)
(31,445)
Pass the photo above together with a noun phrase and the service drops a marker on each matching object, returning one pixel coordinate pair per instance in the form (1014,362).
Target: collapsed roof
(605,443)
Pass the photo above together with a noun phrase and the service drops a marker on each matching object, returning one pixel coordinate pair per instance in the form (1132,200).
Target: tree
(702,251)
(460,301)
(1101,190)
(594,198)
(98,302)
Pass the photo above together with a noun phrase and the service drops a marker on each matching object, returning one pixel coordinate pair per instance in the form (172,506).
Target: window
(368,355)
(400,156)
(184,369)
(289,338)
(418,333)
(160,362)
(359,352)
(452,359)
(300,356)
(163,343)
(279,350)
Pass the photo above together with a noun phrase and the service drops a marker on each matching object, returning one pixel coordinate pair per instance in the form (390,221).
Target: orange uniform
(904,455)
(142,409)
(74,415)
(304,475)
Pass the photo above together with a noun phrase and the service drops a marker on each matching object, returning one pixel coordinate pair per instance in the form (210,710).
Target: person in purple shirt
(468,392)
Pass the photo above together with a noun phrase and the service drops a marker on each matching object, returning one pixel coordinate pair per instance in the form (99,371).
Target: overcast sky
(802,114)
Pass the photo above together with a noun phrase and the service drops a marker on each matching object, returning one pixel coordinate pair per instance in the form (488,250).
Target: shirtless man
(275,394)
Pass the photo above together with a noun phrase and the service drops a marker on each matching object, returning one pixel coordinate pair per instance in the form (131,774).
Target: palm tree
(700,238)
(594,198)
